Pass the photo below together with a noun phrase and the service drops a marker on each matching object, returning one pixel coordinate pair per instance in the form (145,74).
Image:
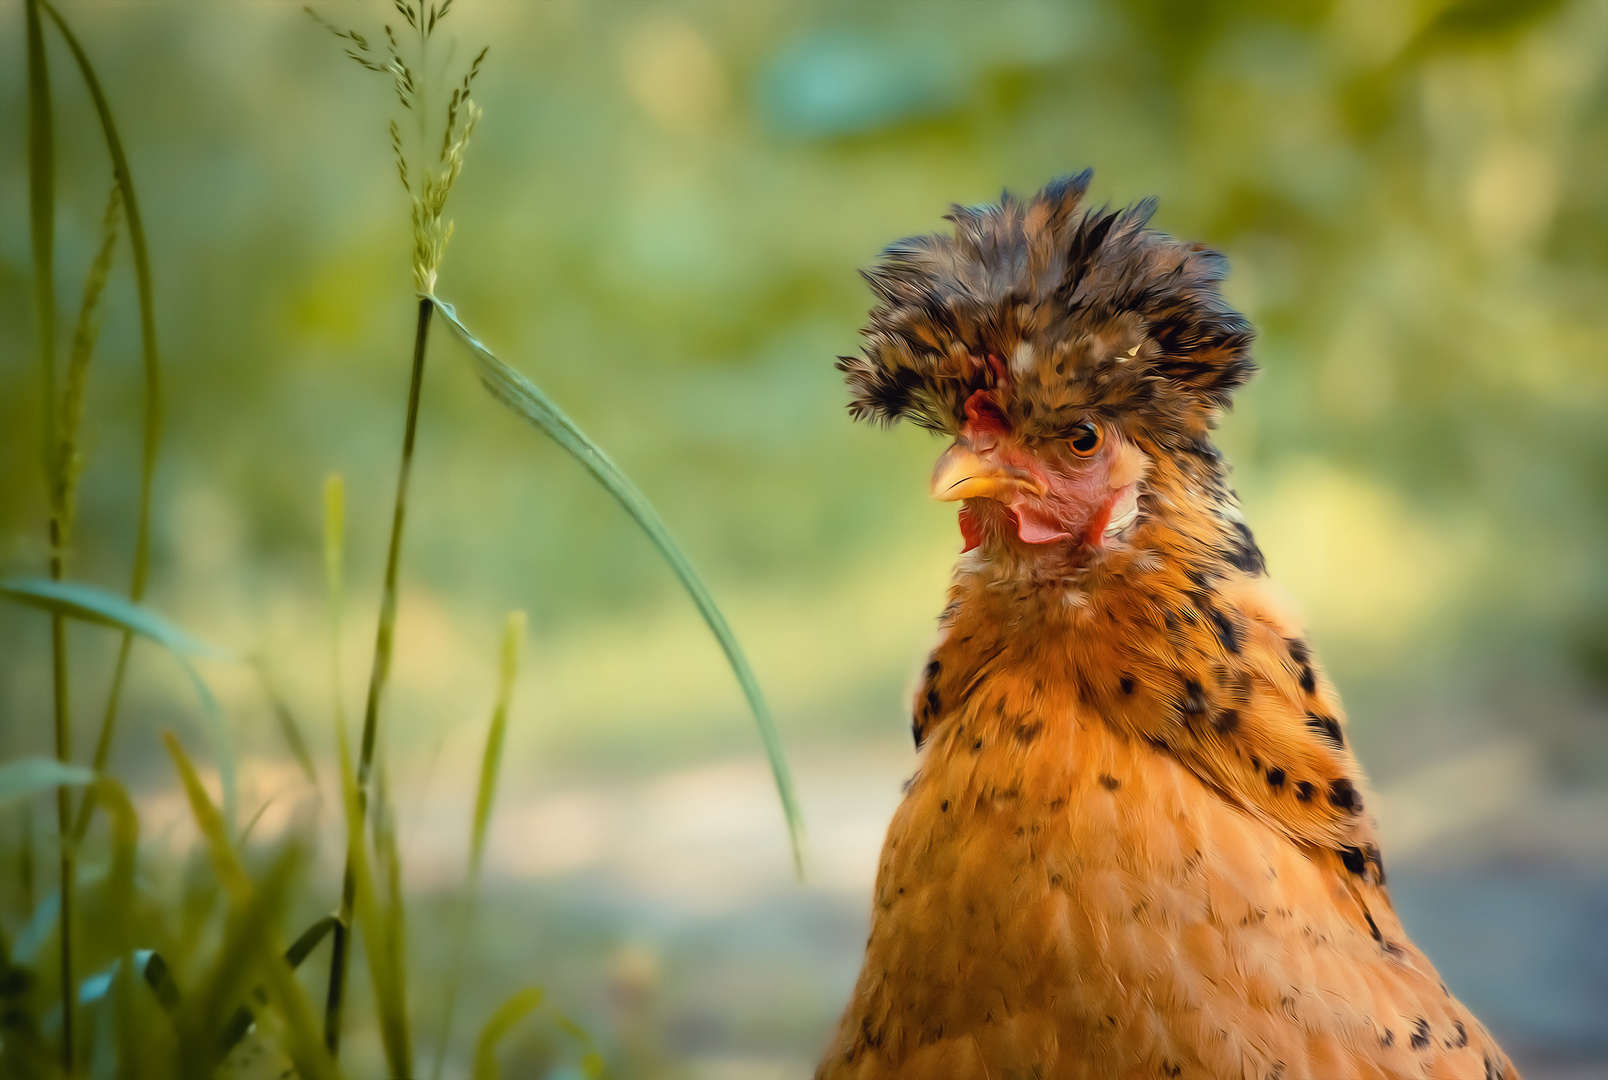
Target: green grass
(116,973)
(485,792)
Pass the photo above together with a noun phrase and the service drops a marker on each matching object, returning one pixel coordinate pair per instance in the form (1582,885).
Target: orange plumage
(1137,843)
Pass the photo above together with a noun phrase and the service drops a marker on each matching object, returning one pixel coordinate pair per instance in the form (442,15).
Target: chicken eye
(1086,439)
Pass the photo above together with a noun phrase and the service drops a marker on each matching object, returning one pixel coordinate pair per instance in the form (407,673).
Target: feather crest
(1120,319)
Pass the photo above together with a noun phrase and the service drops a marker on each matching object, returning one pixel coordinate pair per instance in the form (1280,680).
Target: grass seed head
(431,231)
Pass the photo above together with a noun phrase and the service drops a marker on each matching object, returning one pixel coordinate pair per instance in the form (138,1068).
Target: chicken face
(1077,493)
(1077,358)
(1080,326)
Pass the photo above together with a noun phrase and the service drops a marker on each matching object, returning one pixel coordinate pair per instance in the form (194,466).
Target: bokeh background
(660,221)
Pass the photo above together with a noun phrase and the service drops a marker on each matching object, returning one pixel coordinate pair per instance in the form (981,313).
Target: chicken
(1137,843)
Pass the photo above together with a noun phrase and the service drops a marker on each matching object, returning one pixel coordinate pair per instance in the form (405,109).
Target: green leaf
(527,400)
(90,604)
(508,1014)
(23,777)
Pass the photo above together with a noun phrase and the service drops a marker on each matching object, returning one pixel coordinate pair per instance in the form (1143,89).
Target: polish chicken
(1137,844)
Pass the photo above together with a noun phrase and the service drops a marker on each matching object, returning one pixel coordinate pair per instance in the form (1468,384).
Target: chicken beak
(962,473)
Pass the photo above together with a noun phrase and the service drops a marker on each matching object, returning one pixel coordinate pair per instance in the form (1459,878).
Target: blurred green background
(660,221)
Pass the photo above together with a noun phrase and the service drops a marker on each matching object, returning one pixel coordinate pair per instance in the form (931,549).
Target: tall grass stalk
(485,793)
(60,424)
(379,675)
(429,187)
(64,465)
(392,935)
(384,977)
(42,230)
(335,587)
(151,421)
(359,905)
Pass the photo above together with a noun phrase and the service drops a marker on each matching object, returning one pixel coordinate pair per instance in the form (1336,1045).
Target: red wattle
(971,533)
(1094,535)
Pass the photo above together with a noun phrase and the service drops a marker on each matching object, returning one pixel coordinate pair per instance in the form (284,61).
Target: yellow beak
(962,473)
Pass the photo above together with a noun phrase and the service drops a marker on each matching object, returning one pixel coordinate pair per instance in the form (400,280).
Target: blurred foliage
(659,222)
(662,217)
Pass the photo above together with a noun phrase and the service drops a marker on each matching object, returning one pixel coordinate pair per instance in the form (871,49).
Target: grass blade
(159,978)
(394,936)
(491,760)
(527,400)
(71,599)
(288,727)
(380,671)
(368,917)
(24,777)
(334,588)
(358,903)
(251,822)
(133,1039)
(304,1046)
(85,332)
(42,219)
(241,1022)
(385,632)
(90,604)
(151,435)
(485,792)
(42,234)
(508,1014)
(214,1018)
(309,940)
(29,776)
